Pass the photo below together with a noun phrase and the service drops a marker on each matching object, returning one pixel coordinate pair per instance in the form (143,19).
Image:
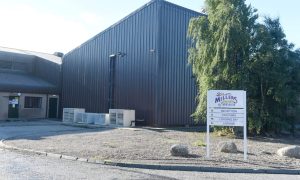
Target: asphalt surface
(16,166)
(19,165)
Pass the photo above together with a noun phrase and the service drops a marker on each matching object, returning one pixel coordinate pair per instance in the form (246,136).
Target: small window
(19,66)
(33,102)
(5,64)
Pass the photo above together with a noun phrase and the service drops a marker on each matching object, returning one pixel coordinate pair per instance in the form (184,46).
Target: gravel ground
(16,166)
(152,145)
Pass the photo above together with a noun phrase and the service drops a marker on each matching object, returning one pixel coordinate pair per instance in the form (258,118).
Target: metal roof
(22,82)
(46,56)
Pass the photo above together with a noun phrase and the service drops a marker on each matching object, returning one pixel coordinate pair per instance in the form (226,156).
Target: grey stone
(179,150)
(72,158)
(54,155)
(40,153)
(228,147)
(290,151)
(82,160)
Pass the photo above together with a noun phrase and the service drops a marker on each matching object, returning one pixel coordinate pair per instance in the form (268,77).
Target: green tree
(221,46)
(232,51)
(273,83)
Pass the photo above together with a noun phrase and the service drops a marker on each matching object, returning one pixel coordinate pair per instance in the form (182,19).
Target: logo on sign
(225,99)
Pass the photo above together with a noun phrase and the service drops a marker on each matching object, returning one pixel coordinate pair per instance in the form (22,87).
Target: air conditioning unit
(121,117)
(102,119)
(91,118)
(69,114)
(79,117)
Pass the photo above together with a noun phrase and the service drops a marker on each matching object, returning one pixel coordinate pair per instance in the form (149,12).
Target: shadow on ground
(40,129)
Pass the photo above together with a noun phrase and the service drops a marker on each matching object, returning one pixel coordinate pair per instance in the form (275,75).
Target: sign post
(226,108)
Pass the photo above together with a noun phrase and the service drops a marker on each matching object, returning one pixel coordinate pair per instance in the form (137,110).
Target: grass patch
(199,143)
(172,141)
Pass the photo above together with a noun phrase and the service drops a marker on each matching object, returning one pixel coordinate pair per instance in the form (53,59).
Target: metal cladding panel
(177,87)
(49,71)
(21,82)
(36,67)
(14,58)
(86,68)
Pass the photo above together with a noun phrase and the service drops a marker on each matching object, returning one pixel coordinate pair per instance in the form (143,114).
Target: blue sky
(61,25)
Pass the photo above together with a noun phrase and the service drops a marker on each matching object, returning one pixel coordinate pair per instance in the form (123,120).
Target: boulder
(290,151)
(179,150)
(228,147)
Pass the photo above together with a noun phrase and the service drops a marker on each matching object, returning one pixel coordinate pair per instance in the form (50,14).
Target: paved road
(16,166)
(19,166)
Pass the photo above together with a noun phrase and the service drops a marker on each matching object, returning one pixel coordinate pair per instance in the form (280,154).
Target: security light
(121,54)
(112,56)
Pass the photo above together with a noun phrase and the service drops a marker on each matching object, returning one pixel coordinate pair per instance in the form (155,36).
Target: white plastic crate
(79,117)
(102,119)
(70,113)
(91,118)
(122,117)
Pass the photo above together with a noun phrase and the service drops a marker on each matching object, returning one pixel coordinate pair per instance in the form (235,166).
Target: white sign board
(227,108)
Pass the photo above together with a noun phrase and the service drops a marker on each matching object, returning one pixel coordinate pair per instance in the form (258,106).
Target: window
(19,66)
(33,102)
(5,64)
(15,66)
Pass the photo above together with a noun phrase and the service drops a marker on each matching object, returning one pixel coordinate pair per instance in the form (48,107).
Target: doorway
(53,108)
(13,107)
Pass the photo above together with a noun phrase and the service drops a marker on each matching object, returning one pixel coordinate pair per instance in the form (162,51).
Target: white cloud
(25,27)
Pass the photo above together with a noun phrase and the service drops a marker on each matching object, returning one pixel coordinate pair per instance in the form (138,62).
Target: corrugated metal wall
(48,71)
(13,59)
(86,69)
(153,77)
(177,87)
(32,65)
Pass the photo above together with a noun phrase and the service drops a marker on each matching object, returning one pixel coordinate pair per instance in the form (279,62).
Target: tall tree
(221,46)
(273,79)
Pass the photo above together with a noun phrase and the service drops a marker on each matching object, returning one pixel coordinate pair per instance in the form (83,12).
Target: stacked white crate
(70,113)
(122,117)
(91,118)
(102,119)
(79,117)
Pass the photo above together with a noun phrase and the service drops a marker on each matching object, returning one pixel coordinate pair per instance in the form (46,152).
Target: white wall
(3,105)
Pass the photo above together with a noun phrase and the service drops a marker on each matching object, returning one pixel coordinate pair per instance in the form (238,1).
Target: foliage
(273,79)
(221,45)
(199,143)
(232,51)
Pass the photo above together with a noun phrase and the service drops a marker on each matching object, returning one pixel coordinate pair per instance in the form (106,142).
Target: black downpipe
(112,73)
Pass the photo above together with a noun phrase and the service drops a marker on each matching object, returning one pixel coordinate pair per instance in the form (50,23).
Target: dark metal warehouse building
(138,63)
